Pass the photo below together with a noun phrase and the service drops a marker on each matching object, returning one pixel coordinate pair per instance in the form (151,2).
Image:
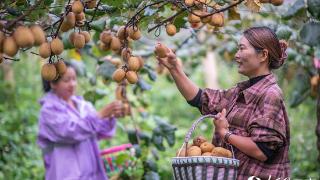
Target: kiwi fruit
(23,37)
(91,4)
(141,62)
(60,67)
(38,34)
(115,44)
(206,147)
(77,7)
(134,63)
(217,20)
(48,72)
(161,50)
(80,17)
(106,37)
(79,41)
(10,47)
(276,2)
(194,18)
(126,54)
(194,151)
(104,47)
(122,34)
(86,35)
(205,19)
(206,154)
(171,29)
(71,19)
(189,2)
(134,33)
(45,50)
(132,77)
(118,75)
(65,26)
(56,46)
(197,141)
(71,37)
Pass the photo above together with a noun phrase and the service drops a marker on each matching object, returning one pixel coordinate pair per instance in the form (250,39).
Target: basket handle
(193,127)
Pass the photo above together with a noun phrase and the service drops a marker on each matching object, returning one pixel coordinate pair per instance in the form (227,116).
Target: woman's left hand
(221,123)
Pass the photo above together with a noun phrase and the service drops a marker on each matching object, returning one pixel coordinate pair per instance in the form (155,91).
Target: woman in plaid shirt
(252,115)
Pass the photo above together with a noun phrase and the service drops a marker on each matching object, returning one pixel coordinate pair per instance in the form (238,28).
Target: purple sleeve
(58,126)
(106,127)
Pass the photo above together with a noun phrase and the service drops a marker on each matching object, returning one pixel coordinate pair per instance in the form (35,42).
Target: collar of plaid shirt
(249,93)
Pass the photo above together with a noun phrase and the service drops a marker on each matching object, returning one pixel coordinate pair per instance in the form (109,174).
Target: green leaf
(94,95)
(284,32)
(314,8)
(99,25)
(122,158)
(150,165)
(143,85)
(310,33)
(298,9)
(157,140)
(106,69)
(301,91)
(170,137)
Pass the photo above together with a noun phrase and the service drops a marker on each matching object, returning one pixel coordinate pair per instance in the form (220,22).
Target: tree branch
(24,15)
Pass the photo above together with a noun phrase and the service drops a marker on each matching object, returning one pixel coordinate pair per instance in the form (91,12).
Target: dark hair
(46,84)
(264,38)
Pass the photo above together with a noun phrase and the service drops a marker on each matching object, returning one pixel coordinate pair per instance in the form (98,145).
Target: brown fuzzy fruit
(115,44)
(106,37)
(91,4)
(77,7)
(45,50)
(194,151)
(126,108)
(189,2)
(65,26)
(126,54)
(171,29)
(118,75)
(206,147)
(48,72)
(192,18)
(60,67)
(205,19)
(161,50)
(104,47)
(79,41)
(10,47)
(134,33)
(80,17)
(132,77)
(182,152)
(134,63)
(56,46)
(217,20)
(23,37)
(206,154)
(264,1)
(221,152)
(276,2)
(314,81)
(197,141)
(70,19)
(141,62)
(38,34)
(196,25)
(71,37)
(121,34)
(86,35)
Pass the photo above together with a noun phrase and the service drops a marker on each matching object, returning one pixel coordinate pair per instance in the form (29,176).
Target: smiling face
(66,86)
(250,62)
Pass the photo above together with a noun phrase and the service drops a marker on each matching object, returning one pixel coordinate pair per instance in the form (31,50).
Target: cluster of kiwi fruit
(201,147)
(21,37)
(51,71)
(118,43)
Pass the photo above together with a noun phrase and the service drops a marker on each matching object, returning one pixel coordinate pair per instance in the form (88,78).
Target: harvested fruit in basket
(221,152)
(206,147)
(197,141)
(182,153)
(194,151)
(206,154)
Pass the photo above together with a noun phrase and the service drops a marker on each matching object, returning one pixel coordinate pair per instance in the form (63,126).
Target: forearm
(186,87)
(247,146)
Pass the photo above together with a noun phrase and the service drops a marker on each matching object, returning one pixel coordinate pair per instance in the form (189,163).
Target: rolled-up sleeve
(268,124)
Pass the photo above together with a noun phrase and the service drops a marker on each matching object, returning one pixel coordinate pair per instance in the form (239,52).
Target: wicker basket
(203,167)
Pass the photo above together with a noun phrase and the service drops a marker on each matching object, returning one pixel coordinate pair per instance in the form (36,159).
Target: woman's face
(250,63)
(66,86)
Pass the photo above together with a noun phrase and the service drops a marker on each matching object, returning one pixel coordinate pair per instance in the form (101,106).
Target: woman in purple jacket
(69,128)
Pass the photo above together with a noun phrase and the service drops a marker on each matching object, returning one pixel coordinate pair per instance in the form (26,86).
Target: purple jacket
(68,139)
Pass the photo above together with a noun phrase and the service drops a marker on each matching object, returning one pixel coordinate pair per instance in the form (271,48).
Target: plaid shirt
(258,112)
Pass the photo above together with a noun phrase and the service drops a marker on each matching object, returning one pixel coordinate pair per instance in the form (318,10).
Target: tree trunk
(210,70)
